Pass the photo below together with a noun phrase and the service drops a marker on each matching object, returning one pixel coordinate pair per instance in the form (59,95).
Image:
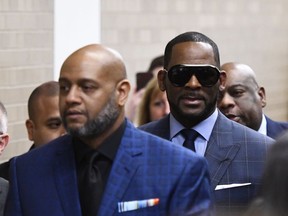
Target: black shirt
(107,152)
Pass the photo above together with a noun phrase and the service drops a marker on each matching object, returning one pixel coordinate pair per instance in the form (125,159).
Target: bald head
(47,89)
(102,58)
(240,70)
(44,123)
(93,92)
(242,99)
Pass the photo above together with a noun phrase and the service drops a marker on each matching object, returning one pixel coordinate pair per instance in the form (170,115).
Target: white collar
(204,128)
(263,126)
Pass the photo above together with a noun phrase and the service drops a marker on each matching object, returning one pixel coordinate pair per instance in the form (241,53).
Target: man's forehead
(192,53)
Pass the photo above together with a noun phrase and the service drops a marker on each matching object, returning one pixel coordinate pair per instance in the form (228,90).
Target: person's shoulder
(4,169)
(250,133)
(4,184)
(56,145)
(4,165)
(281,124)
(160,127)
(153,124)
(3,181)
(241,132)
(163,147)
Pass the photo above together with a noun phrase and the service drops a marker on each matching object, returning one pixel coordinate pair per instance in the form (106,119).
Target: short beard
(104,120)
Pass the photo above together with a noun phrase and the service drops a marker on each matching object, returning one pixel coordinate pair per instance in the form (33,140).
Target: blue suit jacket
(274,128)
(235,154)
(44,182)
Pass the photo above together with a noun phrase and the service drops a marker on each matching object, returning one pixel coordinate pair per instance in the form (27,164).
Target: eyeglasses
(206,74)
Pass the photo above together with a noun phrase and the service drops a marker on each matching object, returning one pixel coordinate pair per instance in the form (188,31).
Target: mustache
(191,95)
(73,111)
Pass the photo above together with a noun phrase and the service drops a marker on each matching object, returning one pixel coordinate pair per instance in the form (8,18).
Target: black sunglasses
(206,74)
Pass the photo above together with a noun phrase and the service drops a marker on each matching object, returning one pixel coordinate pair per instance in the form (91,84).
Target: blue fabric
(235,154)
(43,181)
(274,128)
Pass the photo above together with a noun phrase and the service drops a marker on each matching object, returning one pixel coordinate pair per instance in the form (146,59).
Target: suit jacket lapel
(221,149)
(65,178)
(124,167)
(273,128)
(163,128)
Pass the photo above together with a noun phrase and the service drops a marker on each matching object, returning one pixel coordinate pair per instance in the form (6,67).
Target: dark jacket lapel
(159,128)
(221,149)
(65,178)
(124,167)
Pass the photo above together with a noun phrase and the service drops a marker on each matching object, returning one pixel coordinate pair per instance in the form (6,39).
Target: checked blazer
(235,154)
(44,181)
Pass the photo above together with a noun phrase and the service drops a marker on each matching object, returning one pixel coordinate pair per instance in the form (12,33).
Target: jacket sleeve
(193,195)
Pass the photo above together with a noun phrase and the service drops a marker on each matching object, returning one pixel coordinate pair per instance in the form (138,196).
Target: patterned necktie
(92,187)
(190,135)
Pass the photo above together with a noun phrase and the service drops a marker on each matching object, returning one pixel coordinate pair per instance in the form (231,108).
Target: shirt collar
(204,128)
(108,148)
(263,126)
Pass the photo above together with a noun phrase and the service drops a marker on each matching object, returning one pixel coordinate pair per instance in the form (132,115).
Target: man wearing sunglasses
(235,153)
(4,139)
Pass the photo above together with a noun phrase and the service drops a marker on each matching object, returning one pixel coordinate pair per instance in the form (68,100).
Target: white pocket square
(226,186)
(137,204)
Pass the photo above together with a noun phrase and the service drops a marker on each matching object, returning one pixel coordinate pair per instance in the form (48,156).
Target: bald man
(44,123)
(105,166)
(242,100)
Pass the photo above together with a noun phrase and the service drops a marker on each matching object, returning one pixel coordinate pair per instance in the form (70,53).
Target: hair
(143,111)
(4,118)
(156,62)
(47,89)
(190,37)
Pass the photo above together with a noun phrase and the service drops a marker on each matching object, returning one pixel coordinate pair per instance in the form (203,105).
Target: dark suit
(3,194)
(235,154)
(4,170)
(274,128)
(4,167)
(44,182)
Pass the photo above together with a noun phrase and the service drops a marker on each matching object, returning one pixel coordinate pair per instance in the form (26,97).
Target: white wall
(77,23)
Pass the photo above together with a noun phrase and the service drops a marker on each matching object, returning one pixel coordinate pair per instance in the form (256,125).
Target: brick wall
(251,32)
(26,60)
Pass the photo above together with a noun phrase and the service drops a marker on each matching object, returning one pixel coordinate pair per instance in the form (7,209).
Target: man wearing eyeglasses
(4,139)
(235,153)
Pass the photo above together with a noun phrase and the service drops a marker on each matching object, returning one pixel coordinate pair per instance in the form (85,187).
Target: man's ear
(122,90)
(30,129)
(161,76)
(222,79)
(4,140)
(261,93)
